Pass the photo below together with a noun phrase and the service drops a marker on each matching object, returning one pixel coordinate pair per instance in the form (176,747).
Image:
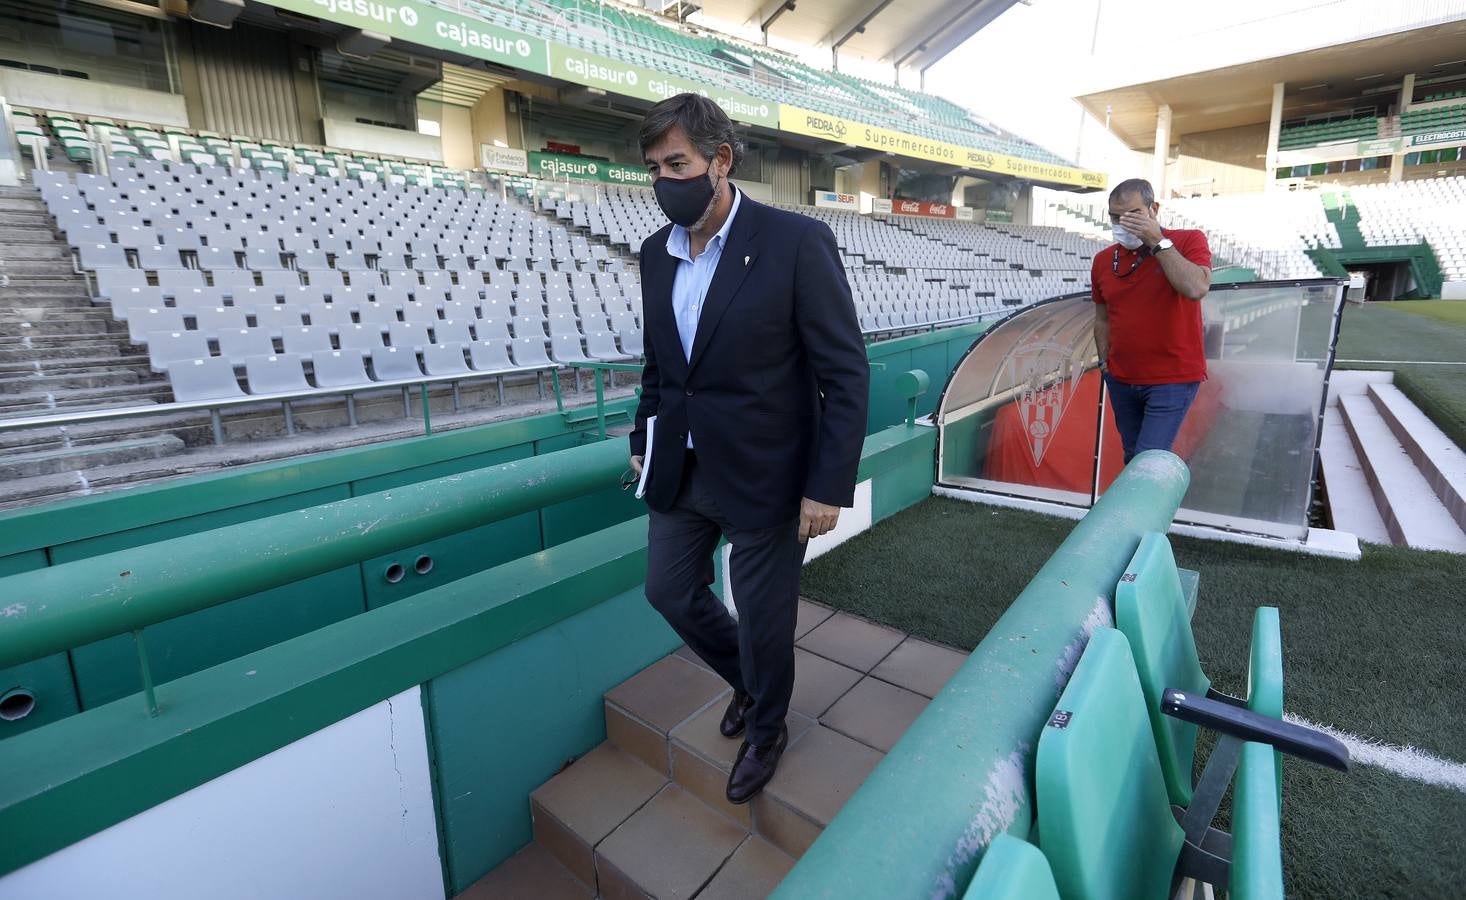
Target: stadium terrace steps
(70,459)
(643,814)
(1416,482)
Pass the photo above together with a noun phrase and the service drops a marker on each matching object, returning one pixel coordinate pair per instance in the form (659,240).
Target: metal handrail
(215,406)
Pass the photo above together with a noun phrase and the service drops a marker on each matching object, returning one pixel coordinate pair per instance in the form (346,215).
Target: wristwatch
(1164,243)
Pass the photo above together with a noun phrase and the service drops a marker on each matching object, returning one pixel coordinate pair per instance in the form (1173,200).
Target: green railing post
(600,402)
(149,697)
(912,385)
(559,399)
(427,415)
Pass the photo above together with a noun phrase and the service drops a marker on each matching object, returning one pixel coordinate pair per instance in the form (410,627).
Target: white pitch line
(1402,362)
(1407,762)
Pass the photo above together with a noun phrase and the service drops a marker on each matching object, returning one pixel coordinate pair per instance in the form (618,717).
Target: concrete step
(74,459)
(45,304)
(40,232)
(1406,500)
(100,377)
(48,267)
(46,364)
(23,204)
(24,218)
(644,814)
(58,326)
(58,350)
(1436,456)
(27,286)
(1351,501)
(39,402)
(10,251)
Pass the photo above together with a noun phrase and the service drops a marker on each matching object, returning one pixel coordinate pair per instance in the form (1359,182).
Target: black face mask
(685,200)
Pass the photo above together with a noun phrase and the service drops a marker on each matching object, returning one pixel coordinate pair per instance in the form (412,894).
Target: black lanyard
(1140,255)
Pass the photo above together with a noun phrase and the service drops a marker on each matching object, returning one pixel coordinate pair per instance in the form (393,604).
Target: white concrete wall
(94,98)
(388,141)
(345,812)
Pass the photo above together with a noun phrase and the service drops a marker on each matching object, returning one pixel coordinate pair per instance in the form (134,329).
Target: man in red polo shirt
(1147,318)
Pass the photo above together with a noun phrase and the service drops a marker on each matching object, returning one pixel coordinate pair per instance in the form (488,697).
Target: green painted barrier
(60,607)
(963,772)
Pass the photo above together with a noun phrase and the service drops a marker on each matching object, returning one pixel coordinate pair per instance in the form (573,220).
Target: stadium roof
(1317,81)
(910,33)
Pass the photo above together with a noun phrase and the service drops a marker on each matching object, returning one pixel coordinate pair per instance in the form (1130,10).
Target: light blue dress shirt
(690,285)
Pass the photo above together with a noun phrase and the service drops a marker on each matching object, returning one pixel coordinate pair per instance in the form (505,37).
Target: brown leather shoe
(754,767)
(738,707)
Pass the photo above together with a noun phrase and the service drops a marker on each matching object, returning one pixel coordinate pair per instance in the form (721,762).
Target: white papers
(646,460)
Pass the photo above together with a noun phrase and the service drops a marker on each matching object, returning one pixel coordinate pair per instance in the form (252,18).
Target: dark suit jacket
(776,390)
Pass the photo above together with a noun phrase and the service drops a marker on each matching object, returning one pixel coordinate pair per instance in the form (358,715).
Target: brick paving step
(643,814)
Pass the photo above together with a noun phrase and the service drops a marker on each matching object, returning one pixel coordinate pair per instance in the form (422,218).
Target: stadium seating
(1327,131)
(286,265)
(1410,212)
(1436,118)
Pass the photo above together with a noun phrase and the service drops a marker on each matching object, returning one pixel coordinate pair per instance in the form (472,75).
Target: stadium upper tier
(706,57)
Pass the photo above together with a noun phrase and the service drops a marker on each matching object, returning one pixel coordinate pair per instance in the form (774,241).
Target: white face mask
(1125,239)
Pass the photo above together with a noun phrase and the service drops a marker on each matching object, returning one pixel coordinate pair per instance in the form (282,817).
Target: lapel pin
(746,259)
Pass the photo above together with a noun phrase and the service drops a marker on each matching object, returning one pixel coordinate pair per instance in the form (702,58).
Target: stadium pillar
(1274,134)
(1162,150)
(1407,94)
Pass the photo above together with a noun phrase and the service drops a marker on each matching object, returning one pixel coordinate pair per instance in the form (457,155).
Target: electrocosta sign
(811,123)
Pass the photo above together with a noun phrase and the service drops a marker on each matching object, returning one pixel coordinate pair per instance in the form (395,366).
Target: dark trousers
(1149,416)
(755,652)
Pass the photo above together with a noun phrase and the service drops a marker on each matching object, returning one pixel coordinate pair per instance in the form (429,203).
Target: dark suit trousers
(755,652)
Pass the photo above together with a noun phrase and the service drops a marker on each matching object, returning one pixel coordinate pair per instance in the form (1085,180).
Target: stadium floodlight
(218,13)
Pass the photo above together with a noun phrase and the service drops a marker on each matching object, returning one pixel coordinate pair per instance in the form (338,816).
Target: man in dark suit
(757,376)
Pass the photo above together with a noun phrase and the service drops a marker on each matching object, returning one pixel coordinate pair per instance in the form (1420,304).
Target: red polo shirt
(1155,332)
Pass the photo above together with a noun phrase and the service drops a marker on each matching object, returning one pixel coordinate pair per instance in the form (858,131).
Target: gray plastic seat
(306,339)
(392,364)
(203,378)
(158,256)
(444,359)
(165,347)
(391,295)
(566,348)
(110,281)
(339,368)
(358,337)
(564,325)
(602,345)
(276,319)
(529,353)
(423,313)
(217,258)
(632,344)
(280,279)
(263,258)
(241,343)
(328,280)
(451,332)
(528,326)
(330,315)
(408,335)
(213,321)
(490,355)
(377,314)
(125,299)
(274,374)
(102,256)
(301,295)
(180,279)
(144,321)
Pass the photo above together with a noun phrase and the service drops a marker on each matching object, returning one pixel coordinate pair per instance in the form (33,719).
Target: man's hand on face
(1143,225)
(816,518)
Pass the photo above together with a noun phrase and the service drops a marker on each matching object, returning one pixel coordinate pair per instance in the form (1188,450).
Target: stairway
(1392,475)
(643,814)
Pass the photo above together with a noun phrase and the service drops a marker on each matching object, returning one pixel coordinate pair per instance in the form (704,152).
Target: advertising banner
(1453,136)
(628,80)
(881,206)
(923,208)
(832,200)
(810,123)
(431,26)
(998,215)
(504,159)
(966,213)
(578,168)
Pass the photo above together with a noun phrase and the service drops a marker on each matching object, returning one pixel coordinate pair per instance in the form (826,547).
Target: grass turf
(1371,647)
(1419,330)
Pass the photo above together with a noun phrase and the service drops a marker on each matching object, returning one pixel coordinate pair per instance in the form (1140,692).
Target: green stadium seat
(1012,869)
(1150,610)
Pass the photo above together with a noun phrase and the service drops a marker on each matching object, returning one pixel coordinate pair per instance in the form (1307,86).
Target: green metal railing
(961,774)
(64,606)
